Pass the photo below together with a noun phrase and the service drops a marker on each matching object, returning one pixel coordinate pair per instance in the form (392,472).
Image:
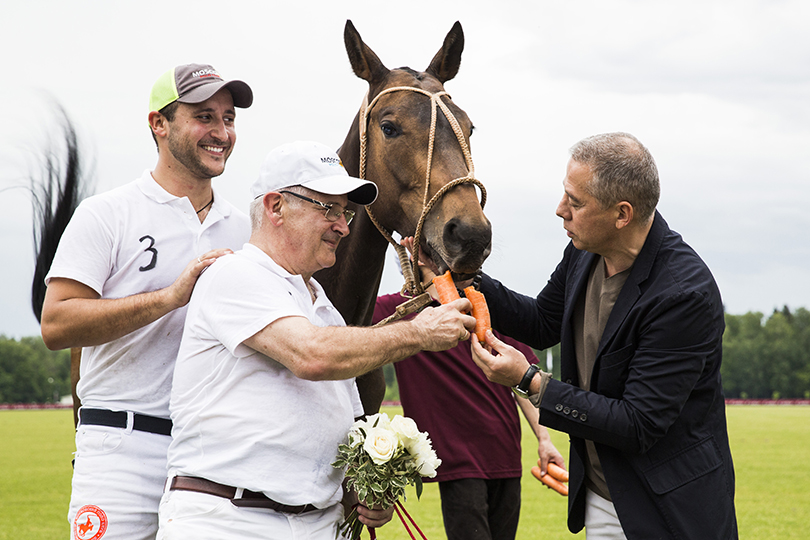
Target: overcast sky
(718,91)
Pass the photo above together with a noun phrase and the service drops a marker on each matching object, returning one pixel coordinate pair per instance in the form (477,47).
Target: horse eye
(389,130)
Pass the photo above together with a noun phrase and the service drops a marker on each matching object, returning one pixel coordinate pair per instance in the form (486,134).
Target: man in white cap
(263,390)
(118,287)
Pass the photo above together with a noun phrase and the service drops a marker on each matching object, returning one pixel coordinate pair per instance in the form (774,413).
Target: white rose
(380,444)
(425,457)
(428,470)
(427,464)
(418,446)
(405,428)
(380,419)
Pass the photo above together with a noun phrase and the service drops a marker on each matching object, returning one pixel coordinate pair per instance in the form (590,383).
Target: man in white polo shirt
(263,390)
(118,287)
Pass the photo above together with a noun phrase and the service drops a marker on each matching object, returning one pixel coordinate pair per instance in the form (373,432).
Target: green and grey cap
(195,83)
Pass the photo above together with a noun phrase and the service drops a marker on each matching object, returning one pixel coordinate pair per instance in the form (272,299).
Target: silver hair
(623,170)
(257,207)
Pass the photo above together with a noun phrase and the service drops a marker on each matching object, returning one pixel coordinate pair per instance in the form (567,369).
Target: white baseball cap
(314,166)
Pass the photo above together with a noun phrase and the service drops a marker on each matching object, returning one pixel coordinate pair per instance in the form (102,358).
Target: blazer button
(583,417)
(558,407)
(567,410)
(574,413)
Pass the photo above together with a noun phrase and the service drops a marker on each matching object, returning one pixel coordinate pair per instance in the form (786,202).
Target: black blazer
(656,410)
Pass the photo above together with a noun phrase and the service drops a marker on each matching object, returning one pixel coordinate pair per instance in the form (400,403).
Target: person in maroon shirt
(475,430)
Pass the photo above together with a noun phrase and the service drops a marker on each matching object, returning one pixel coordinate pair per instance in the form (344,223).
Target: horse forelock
(418,75)
(405,76)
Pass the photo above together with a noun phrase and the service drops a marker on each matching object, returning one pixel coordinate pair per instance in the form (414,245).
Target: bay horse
(420,160)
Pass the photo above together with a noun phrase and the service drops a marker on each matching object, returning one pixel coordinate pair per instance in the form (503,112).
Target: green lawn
(766,439)
(37,449)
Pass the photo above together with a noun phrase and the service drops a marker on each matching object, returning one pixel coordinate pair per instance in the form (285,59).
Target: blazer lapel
(631,291)
(575,284)
(577,281)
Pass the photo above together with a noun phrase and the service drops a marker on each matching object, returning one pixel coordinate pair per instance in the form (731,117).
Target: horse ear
(365,63)
(445,64)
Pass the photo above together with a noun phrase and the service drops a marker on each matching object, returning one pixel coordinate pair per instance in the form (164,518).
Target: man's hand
(374,517)
(371,517)
(443,327)
(505,365)
(548,453)
(180,291)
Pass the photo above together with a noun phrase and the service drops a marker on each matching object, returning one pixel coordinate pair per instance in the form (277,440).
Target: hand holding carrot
(500,362)
(554,478)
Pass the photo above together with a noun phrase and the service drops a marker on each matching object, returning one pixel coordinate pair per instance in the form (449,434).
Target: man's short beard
(186,153)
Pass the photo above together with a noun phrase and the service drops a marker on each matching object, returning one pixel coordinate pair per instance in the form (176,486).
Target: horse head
(412,140)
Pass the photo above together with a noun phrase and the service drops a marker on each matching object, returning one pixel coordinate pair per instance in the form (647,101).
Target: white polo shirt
(241,418)
(134,239)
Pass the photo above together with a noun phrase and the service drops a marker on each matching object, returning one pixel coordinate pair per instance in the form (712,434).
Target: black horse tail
(55,196)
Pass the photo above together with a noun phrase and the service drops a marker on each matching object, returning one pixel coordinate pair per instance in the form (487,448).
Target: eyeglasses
(333,211)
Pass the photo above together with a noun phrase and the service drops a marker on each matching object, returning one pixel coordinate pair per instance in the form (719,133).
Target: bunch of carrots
(446,289)
(554,477)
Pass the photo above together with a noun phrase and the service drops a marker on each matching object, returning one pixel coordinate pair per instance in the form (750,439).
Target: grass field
(37,447)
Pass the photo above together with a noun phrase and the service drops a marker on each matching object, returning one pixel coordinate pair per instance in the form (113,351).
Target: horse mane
(55,196)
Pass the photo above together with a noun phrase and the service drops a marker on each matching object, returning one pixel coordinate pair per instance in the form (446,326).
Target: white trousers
(601,521)
(186,514)
(118,479)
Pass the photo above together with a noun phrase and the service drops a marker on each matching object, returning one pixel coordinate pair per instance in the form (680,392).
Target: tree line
(763,358)
(767,357)
(30,373)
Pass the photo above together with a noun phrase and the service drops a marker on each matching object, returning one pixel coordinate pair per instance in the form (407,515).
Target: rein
(413,286)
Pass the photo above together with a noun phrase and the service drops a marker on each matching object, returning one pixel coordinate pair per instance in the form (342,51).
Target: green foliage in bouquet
(382,457)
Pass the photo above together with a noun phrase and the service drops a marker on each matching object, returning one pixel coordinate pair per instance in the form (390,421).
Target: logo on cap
(205,73)
(328,160)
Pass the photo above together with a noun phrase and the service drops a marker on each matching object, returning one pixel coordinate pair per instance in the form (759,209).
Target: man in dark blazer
(640,322)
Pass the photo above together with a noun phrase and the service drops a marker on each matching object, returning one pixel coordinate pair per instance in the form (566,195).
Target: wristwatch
(522,388)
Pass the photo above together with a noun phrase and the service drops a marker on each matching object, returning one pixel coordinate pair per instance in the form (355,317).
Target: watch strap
(522,388)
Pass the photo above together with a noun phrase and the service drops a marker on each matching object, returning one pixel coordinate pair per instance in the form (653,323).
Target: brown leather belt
(249,499)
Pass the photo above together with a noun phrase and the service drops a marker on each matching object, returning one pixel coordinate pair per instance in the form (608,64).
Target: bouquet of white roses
(381,457)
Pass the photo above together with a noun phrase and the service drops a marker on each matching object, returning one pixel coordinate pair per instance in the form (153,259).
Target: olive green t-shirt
(590,317)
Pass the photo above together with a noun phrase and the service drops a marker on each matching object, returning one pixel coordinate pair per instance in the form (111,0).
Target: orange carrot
(556,471)
(554,484)
(480,311)
(446,288)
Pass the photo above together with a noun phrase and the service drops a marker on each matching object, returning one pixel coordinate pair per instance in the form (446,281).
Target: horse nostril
(463,238)
(451,232)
